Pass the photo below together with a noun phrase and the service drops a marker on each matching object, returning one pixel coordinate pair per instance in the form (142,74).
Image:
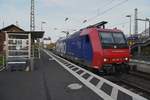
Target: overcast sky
(54,12)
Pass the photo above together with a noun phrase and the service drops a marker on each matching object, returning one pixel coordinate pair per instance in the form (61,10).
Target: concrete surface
(49,81)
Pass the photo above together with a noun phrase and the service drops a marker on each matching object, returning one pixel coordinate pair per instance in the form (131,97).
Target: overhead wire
(105,5)
(123,23)
(107,10)
(108,3)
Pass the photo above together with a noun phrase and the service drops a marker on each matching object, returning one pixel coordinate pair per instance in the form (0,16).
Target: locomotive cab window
(119,38)
(112,38)
(108,39)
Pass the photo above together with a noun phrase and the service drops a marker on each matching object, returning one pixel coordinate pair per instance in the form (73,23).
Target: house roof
(15,29)
(11,26)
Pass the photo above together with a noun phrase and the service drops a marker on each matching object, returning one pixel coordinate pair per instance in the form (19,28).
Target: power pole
(32,16)
(145,27)
(32,28)
(136,21)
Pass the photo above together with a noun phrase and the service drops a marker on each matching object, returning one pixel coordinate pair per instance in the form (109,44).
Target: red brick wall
(2,39)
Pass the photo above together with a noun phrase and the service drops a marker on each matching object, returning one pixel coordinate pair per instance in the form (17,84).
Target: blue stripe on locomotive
(79,47)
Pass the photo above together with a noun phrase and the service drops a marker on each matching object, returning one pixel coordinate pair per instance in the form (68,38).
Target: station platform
(55,78)
(49,81)
(141,65)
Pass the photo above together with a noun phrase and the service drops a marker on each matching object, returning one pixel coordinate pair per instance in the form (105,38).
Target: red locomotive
(97,47)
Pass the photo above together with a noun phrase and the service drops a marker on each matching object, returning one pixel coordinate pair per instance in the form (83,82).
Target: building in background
(46,42)
(10,28)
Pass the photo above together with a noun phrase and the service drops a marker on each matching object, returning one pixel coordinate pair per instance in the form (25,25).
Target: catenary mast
(32,16)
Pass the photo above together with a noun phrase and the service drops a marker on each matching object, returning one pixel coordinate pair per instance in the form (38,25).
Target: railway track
(134,81)
(140,74)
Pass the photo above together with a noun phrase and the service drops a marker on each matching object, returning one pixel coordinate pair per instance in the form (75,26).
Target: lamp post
(129,24)
(42,25)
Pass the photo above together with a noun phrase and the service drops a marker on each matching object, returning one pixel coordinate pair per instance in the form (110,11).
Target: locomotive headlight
(126,58)
(105,59)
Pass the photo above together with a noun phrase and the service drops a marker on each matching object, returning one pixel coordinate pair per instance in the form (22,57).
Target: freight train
(96,47)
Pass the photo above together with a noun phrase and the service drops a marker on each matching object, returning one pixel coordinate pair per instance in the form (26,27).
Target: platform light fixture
(129,16)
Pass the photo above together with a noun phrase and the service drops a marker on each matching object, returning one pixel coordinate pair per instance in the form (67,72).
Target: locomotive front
(115,50)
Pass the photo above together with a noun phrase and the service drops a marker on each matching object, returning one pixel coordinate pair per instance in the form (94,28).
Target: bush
(1,60)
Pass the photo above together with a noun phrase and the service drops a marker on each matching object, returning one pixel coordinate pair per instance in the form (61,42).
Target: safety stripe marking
(69,65)
(91,77)
(66,64)
(99,85)
(73,67)
(82,73)
(114,93)
(97,88)
(77,70)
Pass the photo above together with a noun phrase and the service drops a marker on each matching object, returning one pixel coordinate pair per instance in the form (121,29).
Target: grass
(1,60)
